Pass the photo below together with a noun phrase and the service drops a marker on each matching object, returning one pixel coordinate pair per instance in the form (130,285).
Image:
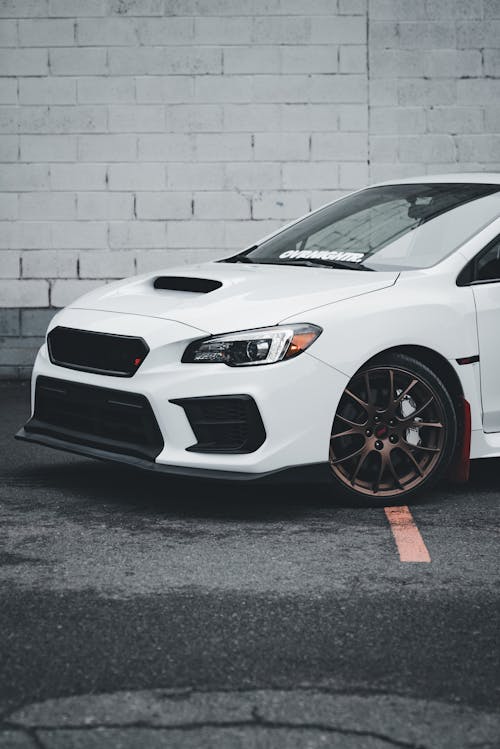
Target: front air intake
(114,420)
(224,423)
(185,283)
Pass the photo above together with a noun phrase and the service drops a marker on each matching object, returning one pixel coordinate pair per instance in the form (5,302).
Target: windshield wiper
(336,264)
(241,257)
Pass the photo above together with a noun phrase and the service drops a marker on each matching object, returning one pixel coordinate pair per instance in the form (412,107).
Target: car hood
(246,296)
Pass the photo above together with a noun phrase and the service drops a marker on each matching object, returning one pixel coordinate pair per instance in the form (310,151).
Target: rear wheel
(394,432)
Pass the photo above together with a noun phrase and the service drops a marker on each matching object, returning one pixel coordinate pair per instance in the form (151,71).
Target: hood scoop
(185,283)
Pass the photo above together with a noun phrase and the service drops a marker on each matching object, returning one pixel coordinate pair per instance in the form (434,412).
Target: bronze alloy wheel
(389,432)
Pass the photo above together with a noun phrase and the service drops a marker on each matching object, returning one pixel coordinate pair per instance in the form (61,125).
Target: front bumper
(296,399)
(314,472)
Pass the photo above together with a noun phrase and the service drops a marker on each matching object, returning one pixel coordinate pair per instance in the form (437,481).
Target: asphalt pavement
(142,611)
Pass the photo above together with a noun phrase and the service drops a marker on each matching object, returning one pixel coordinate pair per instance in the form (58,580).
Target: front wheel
(394,432)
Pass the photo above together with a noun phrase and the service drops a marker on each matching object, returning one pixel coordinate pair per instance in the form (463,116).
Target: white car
(358,345)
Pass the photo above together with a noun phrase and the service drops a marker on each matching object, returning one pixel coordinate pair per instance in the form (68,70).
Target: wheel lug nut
(376,419)
(393,438)
(392,422)
(379,444)
(368,432)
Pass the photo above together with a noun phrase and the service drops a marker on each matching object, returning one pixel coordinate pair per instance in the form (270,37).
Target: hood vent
(184,283)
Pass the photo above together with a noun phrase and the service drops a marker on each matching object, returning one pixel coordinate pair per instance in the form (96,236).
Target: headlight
(250,347)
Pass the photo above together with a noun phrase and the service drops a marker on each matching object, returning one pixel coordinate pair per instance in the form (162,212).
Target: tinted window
(396,227)
(488,264)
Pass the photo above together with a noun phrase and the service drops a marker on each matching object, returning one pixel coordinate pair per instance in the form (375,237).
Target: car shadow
(89,484)
(95,484)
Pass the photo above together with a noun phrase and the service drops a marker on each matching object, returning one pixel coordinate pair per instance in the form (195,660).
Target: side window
(484,268)
(488,264)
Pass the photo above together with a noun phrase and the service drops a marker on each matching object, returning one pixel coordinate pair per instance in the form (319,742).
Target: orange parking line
(410,543)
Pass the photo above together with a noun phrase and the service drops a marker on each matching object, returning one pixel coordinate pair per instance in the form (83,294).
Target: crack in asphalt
(42,727)
(36,739)
(258,722)
(184,693)
(38,727)
(30,732)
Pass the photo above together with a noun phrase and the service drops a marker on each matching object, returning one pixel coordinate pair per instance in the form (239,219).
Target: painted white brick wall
(142,133)
(434,86)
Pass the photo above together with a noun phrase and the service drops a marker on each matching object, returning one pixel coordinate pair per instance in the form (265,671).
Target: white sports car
(359,344)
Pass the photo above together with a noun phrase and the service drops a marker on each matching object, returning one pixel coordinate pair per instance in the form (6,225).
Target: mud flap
(459,470)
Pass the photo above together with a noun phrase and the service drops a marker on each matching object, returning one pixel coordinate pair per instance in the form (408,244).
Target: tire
(394,432)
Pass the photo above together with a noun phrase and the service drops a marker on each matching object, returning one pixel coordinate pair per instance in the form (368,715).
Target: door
(485,282)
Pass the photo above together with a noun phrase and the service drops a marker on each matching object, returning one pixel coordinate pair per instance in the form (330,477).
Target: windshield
(395,227)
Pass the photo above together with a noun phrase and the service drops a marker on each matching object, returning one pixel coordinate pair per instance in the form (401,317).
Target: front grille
(224,423)
(104,353)
(113,420)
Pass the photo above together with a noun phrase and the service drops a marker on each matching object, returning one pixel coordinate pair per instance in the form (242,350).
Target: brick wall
(139,133)
(434,86)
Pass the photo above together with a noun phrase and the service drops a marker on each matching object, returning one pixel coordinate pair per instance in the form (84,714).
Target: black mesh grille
(113,420)
(224,423)
(104,353)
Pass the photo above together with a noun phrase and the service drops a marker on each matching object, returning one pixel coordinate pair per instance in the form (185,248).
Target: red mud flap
(460,466)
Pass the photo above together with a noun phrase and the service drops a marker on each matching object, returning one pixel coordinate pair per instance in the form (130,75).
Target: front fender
(427,312)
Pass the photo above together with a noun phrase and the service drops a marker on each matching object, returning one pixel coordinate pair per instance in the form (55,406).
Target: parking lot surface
(142,611)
